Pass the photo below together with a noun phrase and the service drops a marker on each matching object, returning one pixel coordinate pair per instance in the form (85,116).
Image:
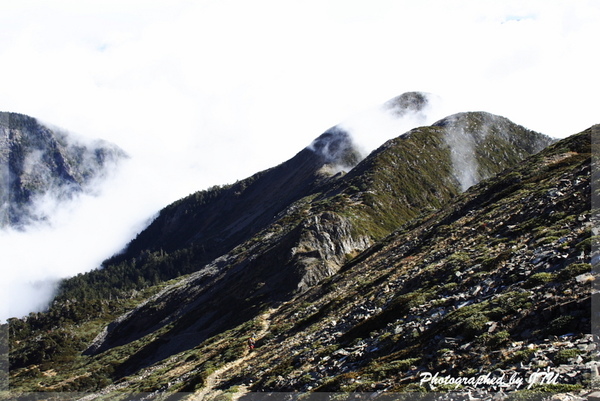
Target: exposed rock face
(36,160)
(325,242)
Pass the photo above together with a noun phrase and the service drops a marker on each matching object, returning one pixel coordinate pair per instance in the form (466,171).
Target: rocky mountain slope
(36,160)
(308,241)
(495,282)
(340,299)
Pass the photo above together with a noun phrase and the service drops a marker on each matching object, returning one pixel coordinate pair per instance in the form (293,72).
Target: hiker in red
(251,342)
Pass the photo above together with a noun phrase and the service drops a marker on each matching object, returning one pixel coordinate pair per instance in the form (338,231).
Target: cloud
(81,232)
(208,92)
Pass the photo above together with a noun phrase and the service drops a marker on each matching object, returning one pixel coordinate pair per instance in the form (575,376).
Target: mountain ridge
(356,253)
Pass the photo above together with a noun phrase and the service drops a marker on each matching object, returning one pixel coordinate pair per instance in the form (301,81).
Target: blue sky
(207,92)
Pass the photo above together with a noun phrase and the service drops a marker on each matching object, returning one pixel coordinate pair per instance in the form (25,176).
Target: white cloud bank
(207,92)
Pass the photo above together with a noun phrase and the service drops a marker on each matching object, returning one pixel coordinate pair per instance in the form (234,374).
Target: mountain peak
(339,150)
(36,160)
(476,139)
(336,148)
(409,102)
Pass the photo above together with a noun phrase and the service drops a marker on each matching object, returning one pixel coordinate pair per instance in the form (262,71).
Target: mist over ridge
(42,165)
(339,149)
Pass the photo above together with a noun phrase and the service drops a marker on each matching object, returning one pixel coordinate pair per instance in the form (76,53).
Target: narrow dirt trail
(209,391)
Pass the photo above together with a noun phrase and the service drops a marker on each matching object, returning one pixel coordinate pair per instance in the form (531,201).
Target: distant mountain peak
(337,148)
(36,160)
(409,102)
